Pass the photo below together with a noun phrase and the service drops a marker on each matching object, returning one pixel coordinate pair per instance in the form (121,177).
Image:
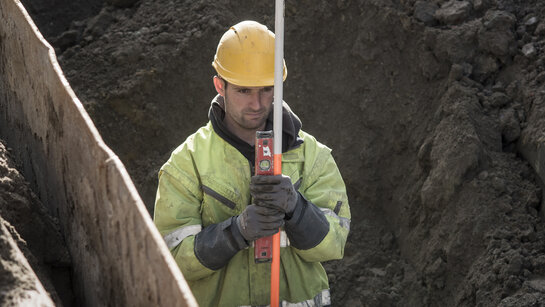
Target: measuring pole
(277,130)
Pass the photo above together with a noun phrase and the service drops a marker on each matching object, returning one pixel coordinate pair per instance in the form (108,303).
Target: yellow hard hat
(245,55)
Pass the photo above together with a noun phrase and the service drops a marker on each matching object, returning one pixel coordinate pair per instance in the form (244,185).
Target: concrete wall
(119,257)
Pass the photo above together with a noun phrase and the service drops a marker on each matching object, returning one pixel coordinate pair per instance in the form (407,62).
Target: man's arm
(177,216)
(325,190)
(200,251)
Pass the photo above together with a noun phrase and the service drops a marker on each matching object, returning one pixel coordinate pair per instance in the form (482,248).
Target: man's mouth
(255,115)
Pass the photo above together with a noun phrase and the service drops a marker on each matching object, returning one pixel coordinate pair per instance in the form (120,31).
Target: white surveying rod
(278,74)
(277,130)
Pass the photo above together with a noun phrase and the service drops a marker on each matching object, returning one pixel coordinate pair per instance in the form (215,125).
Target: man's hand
(258,221)
(274,192)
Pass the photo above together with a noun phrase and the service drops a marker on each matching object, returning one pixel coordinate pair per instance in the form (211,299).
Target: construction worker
(210,208)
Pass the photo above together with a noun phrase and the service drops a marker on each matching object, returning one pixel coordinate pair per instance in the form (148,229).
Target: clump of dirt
(36,234)
(424,103)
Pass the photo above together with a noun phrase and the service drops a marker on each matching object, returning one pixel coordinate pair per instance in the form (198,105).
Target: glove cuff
(216,244)
(307,226)
(241,240)
(299,204)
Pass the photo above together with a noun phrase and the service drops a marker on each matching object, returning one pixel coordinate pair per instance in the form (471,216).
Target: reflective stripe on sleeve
(344,222)
(284,241)
(175,237)
(321,299)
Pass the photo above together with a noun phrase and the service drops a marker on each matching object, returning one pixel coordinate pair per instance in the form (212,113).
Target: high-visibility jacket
(206,181)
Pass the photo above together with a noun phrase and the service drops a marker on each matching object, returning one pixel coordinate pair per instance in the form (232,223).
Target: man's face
(247,108)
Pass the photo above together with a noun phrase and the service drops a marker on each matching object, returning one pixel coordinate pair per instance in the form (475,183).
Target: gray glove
(258,221)
(274,192)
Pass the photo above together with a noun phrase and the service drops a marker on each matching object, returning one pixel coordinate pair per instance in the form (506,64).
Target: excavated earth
(424,103)
(25,221)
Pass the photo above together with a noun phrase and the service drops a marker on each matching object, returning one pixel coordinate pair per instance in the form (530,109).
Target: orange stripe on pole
(275,271)
(277,164)
(275,265)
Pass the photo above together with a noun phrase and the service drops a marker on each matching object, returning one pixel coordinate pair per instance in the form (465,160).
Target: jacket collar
(291,125)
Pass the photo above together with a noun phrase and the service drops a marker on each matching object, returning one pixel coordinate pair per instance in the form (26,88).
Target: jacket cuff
(307,226)
(216,244)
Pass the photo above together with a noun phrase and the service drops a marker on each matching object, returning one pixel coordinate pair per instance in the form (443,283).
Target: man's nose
(256,99)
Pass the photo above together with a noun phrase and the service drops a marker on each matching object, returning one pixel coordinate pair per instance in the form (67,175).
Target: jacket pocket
(220,201)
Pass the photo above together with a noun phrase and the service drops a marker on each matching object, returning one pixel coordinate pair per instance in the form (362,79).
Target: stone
(497,36)
(424,11)
(483,175)
(458,44)
(532,21)
(529,50)
(453,12)
(497,42)
(499,20)
(498,100)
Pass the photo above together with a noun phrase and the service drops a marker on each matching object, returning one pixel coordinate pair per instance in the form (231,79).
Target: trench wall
(26,290)
(118,255)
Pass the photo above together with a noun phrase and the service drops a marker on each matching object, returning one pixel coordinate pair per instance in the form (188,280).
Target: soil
(423,102)
(37,235)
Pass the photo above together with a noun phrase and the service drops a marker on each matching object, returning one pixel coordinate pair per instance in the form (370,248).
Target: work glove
(275,192)
(305,224)
(258,221)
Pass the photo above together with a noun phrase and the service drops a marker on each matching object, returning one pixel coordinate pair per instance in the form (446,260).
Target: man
(210,208)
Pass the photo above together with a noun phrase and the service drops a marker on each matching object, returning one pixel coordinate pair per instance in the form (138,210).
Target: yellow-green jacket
(206,182)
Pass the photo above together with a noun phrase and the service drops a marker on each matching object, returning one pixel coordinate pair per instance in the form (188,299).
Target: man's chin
(253,126)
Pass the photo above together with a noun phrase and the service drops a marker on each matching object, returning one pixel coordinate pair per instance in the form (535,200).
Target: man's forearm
(307,226)
(216,244)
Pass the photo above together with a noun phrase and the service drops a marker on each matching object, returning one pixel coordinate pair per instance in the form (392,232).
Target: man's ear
(219,84)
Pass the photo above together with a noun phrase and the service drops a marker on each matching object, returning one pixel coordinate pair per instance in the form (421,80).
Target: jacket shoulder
(200,137)
(310,143)
(183,155)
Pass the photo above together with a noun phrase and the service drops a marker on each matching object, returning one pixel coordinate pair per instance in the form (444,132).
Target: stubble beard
(242,122)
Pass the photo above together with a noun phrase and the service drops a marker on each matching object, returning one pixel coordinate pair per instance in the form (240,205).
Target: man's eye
(244,91)
(268,89)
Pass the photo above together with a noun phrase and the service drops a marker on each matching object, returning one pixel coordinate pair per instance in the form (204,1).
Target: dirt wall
(19,285)
(118,256)
(37,236)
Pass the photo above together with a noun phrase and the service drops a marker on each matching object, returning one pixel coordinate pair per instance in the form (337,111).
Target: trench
(433,118)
